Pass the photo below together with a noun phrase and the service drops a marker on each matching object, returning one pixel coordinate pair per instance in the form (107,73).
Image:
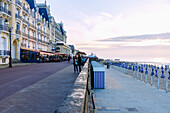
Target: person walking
(75,63)
(79,63)
(69,57)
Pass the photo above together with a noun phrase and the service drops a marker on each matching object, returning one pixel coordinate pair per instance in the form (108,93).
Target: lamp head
(6,22)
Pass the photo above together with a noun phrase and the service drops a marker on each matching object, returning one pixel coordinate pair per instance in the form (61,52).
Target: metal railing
(25,9)
(24,34)
(5,10)
(38,21)
(18,2)
(18,16)
(3,27)
(18,32)
(4,52)
(25,21)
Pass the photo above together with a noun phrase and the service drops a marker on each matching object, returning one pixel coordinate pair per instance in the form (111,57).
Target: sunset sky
(111,28)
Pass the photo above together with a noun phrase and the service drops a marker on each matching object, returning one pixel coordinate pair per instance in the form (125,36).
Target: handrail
(76,101)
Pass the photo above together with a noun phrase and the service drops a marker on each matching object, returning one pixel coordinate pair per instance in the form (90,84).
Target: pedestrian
(75,64)
(69,57)
(79,62)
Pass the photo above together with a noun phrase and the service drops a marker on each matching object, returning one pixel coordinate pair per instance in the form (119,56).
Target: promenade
(40,89)
(123,94)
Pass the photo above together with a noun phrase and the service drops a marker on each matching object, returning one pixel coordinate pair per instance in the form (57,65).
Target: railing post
(167,81)
(152,73)
(146,74)
(141,73)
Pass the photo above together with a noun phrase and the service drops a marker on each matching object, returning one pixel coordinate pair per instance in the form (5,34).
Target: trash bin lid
(97,66)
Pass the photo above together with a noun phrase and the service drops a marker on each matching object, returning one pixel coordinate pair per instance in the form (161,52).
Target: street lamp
(10,58)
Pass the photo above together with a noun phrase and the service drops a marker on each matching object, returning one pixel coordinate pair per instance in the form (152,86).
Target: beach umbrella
(169,74)
(152,73)
(156,73)
(163,76)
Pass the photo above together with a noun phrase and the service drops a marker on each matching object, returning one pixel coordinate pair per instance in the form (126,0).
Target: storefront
(28,55)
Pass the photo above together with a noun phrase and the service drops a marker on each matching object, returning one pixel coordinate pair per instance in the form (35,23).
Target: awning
(30,49)
(46,53)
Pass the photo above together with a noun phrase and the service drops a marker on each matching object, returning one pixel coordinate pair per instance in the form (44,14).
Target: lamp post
(10,58)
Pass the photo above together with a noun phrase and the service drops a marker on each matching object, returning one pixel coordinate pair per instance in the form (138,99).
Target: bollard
(152,73)
(141,73)
(146,74)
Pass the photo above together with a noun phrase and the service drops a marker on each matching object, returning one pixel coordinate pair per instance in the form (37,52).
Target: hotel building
(34,31)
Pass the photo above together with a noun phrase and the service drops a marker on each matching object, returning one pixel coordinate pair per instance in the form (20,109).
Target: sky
(123,29)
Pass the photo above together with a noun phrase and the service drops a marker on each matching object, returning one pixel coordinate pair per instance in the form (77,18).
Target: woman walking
(75,63)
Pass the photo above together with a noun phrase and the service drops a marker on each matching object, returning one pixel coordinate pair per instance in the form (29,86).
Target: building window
(3,43)
(28,33)
(1,20)
(33,45)
(18,26)
(3,60)
(33,34)
(28,44)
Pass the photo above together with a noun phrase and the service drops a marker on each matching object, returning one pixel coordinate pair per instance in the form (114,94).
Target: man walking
(79,62)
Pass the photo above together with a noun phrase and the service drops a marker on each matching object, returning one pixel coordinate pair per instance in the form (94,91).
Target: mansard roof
(32,4)
(44,11)
(61,28)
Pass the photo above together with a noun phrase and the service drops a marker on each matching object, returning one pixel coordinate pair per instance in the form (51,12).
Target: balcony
(4,52)
(23,44)
(26,10)
(2,9)
(47,43)
(18,2)
(31,37)
(31,25)
(38,21)
(18,32)
(24,34)
(3,27)
(59,38)
(25,21)
(18,16)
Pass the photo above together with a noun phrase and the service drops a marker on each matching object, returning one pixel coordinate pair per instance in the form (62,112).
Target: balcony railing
(31,25)
(18,2)
(4,52)
(24,34)
(38,21)
(25,21)
(18,16)
(5,10)
(25,9)
(32,37)
(3,27)
(23,44)
(18,32)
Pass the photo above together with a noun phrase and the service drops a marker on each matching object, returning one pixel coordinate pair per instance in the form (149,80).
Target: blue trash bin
(99,75)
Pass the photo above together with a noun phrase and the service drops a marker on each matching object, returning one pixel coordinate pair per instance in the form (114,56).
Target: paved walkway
(43,96)
(14,65)
(15,79)
(123,94)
